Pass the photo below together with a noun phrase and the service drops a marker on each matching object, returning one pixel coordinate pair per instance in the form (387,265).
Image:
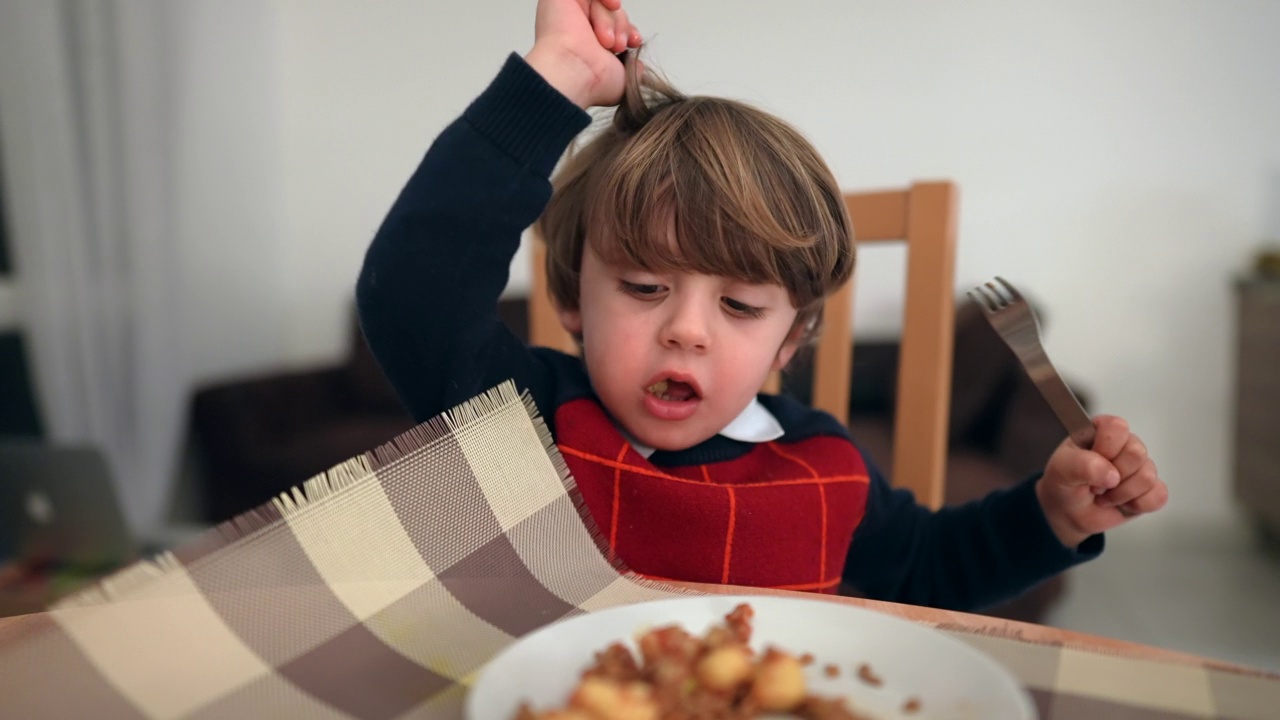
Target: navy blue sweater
(427,297)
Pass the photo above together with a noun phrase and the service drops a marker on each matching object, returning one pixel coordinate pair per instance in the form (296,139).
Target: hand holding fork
(1101,475)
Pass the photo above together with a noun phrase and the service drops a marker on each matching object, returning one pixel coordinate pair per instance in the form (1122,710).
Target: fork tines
(991,298)
(1013,320)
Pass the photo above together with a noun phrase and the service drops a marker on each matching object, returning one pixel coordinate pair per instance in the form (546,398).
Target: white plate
(952,679)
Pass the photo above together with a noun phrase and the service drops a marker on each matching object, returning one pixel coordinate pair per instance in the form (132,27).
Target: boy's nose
(686,329)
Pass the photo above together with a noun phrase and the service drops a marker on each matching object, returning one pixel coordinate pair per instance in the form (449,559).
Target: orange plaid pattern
(780,516)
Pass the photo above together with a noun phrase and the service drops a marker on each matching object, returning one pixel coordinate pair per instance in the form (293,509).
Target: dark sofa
(257,437)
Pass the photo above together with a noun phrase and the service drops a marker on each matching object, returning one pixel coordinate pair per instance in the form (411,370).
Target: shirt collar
(755,424)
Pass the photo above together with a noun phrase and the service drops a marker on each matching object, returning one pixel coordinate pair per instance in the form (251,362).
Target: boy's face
(675,357)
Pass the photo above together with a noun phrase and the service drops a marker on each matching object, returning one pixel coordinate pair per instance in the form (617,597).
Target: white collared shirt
(755,424)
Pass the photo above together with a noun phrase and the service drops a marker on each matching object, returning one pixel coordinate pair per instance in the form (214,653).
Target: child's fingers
(1131,458)
(1081,467)
(621,31)
(1111,436)
(1133,487)
(1150,501)
(1127,462)
(602,23)
(613,28)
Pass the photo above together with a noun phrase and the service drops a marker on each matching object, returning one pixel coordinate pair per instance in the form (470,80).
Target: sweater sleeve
(961,558)
(428,290)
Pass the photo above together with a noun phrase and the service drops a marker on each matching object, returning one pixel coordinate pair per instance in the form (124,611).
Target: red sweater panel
(780,516)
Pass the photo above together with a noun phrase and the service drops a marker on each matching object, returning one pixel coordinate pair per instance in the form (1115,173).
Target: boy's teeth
(672,390)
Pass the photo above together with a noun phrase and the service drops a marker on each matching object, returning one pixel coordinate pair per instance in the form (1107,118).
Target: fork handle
(1064,404)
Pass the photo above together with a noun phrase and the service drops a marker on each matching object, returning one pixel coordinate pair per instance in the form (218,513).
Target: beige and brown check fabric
(381,588)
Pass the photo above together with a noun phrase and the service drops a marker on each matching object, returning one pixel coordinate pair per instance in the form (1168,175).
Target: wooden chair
(924,216)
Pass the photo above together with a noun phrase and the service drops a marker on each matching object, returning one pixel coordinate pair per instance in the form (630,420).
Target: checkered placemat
(380,589)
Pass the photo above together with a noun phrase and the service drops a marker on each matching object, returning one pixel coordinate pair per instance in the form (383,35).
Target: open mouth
(672,397)
(673,390)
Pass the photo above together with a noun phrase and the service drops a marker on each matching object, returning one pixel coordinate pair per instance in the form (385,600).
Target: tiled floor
(1206,588)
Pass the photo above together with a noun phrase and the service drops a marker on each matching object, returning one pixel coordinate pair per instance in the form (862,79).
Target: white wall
(1117,160)
(228,178)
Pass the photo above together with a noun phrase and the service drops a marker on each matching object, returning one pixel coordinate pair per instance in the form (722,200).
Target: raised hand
(575,48)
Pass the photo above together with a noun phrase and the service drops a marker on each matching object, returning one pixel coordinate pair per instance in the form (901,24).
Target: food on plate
(868,676)
(679,676)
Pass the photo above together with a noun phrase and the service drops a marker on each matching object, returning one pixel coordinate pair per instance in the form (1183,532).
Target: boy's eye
(640,290)
(742,309)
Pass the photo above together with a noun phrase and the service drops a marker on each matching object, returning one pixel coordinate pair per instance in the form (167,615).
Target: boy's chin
(672,441)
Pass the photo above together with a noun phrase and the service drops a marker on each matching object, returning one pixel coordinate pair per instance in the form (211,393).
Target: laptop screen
(58,508)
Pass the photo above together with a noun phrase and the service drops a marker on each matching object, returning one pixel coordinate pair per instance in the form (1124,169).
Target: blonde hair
(699,184)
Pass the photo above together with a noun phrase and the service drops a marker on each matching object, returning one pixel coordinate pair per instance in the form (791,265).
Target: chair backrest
(924,217)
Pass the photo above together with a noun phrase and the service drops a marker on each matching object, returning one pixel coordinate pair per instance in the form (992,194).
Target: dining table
(1070,675)
(383,588)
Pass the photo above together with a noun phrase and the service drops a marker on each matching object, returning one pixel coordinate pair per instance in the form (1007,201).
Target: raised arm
(428,290)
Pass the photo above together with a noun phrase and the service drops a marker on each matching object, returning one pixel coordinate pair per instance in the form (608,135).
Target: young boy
(691,245)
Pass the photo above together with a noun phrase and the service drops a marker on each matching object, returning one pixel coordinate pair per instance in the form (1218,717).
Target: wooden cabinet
(1257,421)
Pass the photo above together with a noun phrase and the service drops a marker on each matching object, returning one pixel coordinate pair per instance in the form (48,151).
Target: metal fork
(1011,316)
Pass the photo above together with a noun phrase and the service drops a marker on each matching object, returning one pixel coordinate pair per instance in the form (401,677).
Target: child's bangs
(705,188)
(663,236)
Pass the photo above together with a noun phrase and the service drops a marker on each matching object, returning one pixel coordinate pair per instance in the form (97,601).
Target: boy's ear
(570,320)
(788,349)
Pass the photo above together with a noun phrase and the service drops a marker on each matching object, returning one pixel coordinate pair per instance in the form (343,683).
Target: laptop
(59,511)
